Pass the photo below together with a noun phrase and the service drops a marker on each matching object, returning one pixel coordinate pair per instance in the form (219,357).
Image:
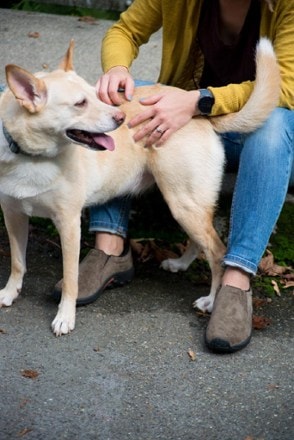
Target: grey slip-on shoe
(97,271)
(230,325)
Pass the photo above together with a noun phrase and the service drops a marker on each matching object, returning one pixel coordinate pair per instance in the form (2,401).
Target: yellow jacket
(179,21)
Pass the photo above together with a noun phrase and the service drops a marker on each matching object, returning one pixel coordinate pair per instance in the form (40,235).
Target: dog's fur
(50,116)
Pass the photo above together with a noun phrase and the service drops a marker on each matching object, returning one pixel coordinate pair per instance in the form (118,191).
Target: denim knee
(274,141)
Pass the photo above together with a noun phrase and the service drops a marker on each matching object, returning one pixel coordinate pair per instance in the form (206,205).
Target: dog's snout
(119,117)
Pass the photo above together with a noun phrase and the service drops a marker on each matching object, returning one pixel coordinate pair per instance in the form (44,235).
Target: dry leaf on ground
(259,302)
(273,386)
(260,322)
(192,354)
(276,287)
(148,249)
(24,432)
(34,35)
(30,374)
(288,280)
(268,267)
(88,19)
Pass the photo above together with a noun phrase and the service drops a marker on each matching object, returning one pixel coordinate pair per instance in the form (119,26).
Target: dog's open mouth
(95,141)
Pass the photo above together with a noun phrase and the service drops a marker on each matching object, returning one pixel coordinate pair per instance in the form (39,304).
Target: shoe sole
(117,280)
(221,346)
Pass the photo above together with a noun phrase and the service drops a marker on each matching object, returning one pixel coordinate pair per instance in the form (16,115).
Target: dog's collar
(13,146)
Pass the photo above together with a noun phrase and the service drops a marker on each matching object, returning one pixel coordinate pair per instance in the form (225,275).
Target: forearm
(121,43)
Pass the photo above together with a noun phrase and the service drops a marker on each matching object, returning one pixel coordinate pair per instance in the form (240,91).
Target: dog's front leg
(17,229)
(69,230)
(182,263)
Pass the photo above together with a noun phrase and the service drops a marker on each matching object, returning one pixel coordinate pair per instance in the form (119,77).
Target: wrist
(118,69)
(193,102)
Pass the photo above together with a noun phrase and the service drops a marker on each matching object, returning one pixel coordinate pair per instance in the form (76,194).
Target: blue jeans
(264,160)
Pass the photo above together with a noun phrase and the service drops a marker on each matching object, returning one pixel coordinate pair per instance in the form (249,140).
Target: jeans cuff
(241,263)
(101,227)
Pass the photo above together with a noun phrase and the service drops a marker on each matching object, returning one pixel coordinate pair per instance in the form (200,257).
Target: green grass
(283,241)
(35,6)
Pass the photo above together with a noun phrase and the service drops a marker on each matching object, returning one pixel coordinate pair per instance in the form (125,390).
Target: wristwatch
(205,101)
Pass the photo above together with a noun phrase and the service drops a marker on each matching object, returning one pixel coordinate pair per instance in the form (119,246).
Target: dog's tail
(263,99)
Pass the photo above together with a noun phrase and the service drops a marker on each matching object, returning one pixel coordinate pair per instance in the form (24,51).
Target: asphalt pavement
(127,372)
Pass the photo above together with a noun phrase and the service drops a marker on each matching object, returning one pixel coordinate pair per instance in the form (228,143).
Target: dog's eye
(81,103)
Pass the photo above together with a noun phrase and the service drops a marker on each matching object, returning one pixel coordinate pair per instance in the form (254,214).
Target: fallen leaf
(33,35)
(276,287)
(30,374)
(136,246)
(87,19)
(3,332)
(149,249)
(182,247)
(288,284)
(272,386)
(289,276)
(260,322)
(288,280)
(161,254)
(268,267)
(146,253)
(202,314)
(24,432)
(192,354)
(259,302)
(23,403)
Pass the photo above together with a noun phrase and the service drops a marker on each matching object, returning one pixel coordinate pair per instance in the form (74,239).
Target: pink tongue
(104,141)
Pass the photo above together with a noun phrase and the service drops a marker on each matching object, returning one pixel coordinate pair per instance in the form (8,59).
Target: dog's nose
(119,117)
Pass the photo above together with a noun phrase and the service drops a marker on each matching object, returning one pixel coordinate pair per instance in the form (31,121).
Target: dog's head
(45,111)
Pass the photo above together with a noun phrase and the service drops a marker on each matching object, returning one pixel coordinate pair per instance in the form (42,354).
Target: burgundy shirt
(224,63)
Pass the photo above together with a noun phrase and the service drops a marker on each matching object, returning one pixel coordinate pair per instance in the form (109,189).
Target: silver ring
(159,130)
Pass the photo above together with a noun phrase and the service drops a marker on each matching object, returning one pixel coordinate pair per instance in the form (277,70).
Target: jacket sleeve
(121,43)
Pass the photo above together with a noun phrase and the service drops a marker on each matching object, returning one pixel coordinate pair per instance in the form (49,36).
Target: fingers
(158,136)
(115,80)
(152,134)
(150,100)
(106,93)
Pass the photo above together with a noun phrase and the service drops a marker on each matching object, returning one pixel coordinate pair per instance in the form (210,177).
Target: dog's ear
(30,92)
(67,62)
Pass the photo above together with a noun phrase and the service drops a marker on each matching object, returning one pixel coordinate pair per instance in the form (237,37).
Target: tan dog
(45,170)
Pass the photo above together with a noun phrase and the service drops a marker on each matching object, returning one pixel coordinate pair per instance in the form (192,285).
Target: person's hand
(108,85)
(166,113)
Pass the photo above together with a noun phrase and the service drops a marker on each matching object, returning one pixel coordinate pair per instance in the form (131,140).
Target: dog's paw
(64,321)
(62,325)
(7,297)
(205,303)
(172,265)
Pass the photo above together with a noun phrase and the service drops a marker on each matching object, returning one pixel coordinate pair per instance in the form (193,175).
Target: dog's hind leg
(69,230)
(182,263)
(198,224)
(17,228)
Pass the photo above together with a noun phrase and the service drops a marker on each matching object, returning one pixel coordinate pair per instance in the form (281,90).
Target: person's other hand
(166,113)
(109,84)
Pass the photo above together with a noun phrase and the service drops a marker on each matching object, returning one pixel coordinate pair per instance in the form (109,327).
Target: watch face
(205,102)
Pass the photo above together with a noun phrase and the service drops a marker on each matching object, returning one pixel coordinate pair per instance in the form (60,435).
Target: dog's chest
(23,178)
